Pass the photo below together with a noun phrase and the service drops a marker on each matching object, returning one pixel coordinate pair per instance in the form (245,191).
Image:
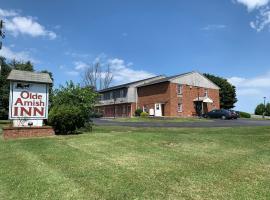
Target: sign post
(28,104)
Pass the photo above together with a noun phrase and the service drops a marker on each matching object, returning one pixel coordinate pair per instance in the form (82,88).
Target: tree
(4,89)
(260,109)
(80,102)
(24,66)
(97,77)
(227,91)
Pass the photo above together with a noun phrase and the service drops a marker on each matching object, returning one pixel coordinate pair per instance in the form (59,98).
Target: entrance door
(158,109)
(198,107)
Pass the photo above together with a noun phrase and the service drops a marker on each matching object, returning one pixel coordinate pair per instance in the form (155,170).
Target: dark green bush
(244,115)
(144,114)
(138,112)
(65,119)
(96,115)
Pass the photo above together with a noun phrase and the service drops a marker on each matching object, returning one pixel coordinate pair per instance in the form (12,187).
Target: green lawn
(136,163)
(158,120)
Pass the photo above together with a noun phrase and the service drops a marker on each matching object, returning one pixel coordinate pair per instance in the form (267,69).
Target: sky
(143,38)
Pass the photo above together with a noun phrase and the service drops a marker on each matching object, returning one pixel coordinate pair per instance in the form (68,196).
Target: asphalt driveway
(212,123)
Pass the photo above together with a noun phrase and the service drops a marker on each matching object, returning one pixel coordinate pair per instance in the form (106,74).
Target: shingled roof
(34,77)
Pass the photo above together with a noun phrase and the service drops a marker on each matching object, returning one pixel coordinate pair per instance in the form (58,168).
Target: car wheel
(223,117)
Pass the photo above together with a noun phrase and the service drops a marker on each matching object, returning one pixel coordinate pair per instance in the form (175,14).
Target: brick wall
(24,132)
(167,93)
(157,93)
(191,93)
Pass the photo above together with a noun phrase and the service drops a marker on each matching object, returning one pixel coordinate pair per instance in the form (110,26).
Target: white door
(158,110)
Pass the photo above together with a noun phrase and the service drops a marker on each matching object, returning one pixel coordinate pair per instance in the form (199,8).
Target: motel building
(184,95)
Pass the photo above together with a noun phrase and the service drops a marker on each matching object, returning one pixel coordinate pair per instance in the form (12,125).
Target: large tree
(97,76)
(4,89)
(24,66)
(260,109)
(227,91)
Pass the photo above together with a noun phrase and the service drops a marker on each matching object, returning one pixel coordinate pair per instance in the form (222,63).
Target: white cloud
(262,19)
(8,13)
(250,91)
(211,27)
(78,55)
(123,73)
(79,65)
(72,73)
(25,25)
(21,56)
(253,4)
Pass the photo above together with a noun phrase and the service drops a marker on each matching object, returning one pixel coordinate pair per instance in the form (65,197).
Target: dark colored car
(219,114)
(235,114)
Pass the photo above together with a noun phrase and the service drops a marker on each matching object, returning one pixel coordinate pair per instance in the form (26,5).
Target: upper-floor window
(121,93)
(179,89)
(206,92)
(111,95)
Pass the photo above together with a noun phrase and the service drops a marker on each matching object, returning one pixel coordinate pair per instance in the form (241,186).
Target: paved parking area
(212,123)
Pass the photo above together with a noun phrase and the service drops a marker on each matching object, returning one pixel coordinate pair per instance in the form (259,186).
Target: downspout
(136,98)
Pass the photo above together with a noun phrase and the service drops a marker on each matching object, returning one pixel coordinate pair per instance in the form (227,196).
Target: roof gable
(194,79)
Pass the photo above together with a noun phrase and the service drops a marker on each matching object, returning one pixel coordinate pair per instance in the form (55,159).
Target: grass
(137,163)
(159,120)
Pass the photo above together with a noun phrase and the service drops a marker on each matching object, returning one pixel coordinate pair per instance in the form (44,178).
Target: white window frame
(179,89)
(206,92)
(180,107)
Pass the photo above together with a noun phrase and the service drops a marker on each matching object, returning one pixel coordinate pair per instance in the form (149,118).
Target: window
(124,109)
(206,92)
(180,107)
(145,109)
(121,93)
(179,89)
(111,95)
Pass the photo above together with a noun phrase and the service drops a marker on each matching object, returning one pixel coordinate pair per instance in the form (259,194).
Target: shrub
(244,115)
(65,119)
(71,107)
(138,112)
(144,114)
(96,115)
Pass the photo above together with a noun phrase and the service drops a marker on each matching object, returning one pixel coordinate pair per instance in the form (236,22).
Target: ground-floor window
(180,107)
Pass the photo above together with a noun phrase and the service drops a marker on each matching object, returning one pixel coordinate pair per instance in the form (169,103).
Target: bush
(244,115)
(96,115)
(65,119)
(144,114)
(138,112)
(71,108)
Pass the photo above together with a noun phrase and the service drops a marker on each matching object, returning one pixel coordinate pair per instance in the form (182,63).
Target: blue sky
(229,38)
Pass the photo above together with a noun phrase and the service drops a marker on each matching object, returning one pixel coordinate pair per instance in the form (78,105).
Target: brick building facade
(185,95)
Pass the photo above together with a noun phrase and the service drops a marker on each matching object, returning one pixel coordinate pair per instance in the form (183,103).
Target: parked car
(219,114)
(235,114)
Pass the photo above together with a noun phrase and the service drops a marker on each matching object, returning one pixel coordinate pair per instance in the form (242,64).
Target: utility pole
(264,98)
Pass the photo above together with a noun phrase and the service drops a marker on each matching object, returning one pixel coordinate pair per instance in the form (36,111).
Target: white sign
(28,101)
